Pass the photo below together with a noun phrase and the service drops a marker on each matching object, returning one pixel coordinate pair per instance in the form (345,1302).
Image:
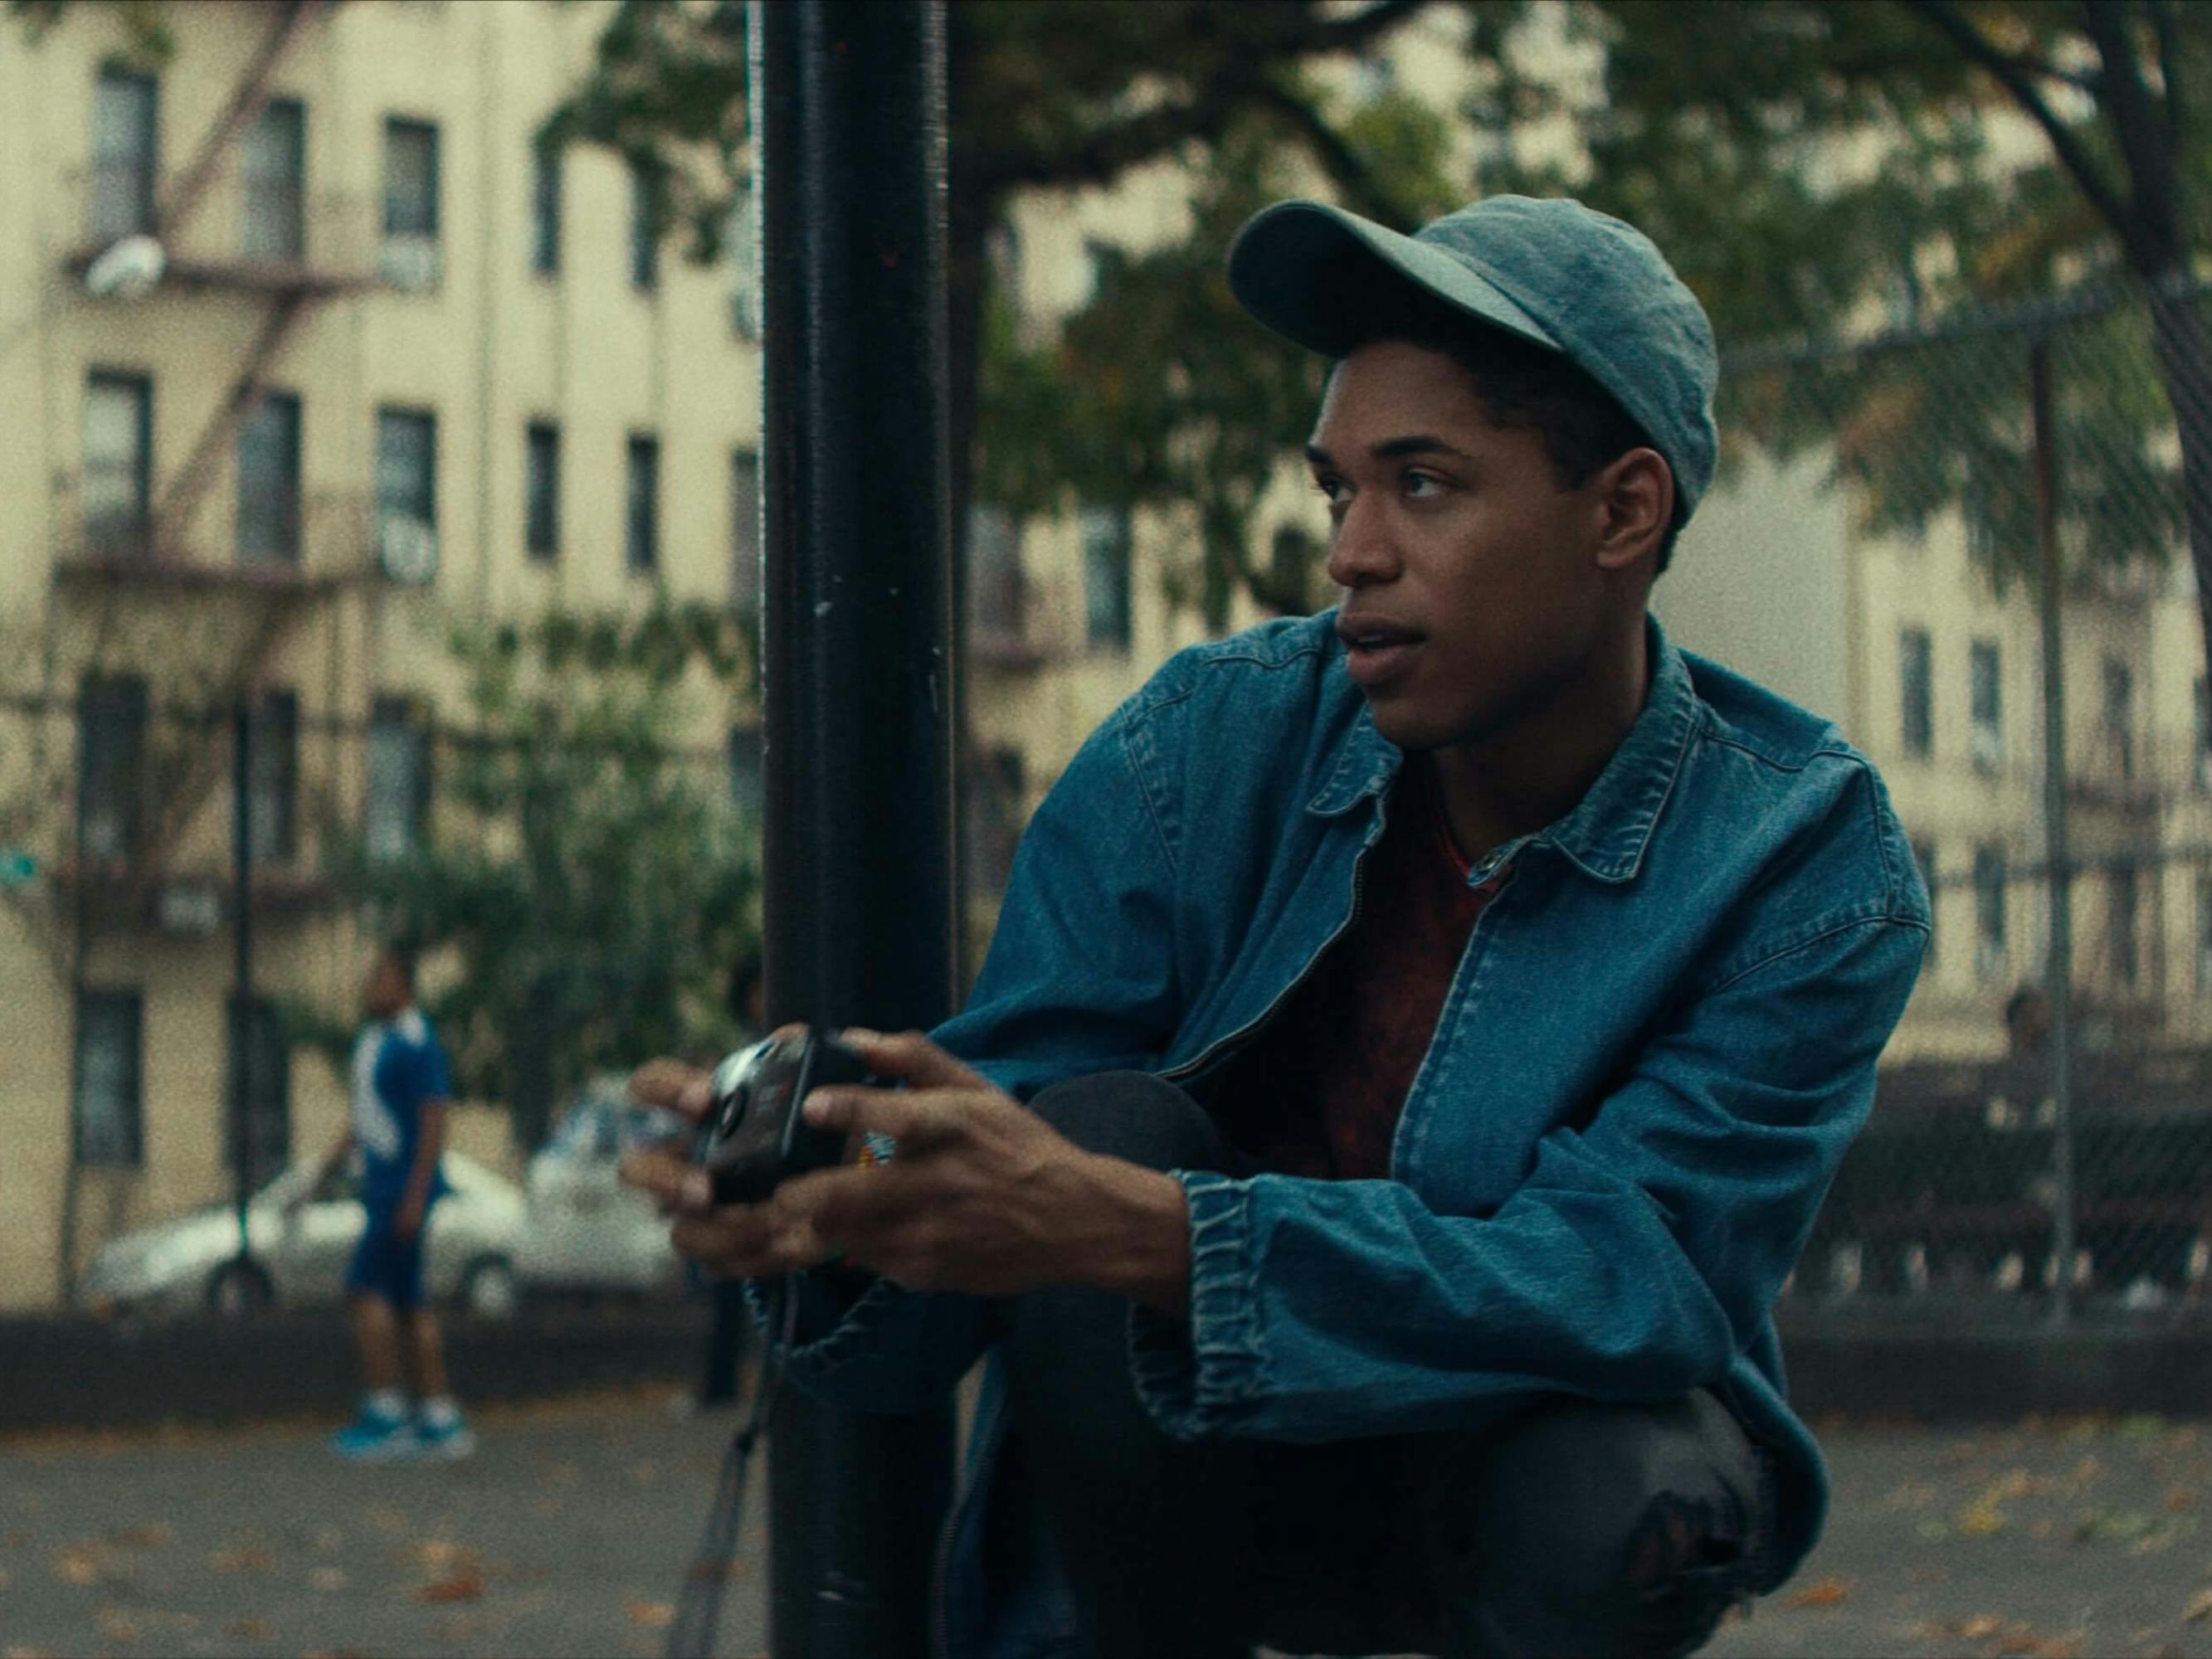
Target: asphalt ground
(569,1531)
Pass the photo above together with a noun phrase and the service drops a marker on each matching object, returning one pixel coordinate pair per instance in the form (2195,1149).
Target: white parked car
(583,1230)
(300,1251)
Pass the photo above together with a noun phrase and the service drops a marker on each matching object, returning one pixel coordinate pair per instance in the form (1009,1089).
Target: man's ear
(1635,494)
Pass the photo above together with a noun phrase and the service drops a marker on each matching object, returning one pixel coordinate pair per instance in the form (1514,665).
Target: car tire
(489,1288)
(238,1289)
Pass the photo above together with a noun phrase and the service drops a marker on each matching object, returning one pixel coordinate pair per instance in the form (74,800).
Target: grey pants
(1575,1528)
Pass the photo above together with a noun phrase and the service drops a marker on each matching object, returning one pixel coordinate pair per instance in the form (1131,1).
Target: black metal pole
(849,123)
(241,938)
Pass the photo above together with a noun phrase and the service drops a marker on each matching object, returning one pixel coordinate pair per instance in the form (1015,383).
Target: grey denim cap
(1552,272)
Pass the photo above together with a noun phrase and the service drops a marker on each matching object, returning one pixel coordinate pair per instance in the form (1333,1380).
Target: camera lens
(734,1110)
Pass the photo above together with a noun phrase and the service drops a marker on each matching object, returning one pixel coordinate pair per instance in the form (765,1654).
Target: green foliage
(1817,167)
(591,876)
(145,22)
(1066,94)
(667,91)
(1161,393)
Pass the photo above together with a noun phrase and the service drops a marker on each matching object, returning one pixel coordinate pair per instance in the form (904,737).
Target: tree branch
(2146,146)
(1946,20)
(1213,104)
(1364,193)
(2170,74)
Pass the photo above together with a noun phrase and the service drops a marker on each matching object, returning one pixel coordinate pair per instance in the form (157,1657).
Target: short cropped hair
(401,957)
(1524,386)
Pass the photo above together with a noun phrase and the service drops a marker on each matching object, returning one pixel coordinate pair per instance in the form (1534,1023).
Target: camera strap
(699,1606)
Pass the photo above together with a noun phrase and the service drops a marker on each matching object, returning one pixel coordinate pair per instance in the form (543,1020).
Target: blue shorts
(384,1267)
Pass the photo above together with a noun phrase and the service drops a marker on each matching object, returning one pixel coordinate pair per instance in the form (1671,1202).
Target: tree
(1804,158)
(1046,94)
(594,878)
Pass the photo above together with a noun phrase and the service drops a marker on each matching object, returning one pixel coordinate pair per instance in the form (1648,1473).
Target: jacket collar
(1609,829)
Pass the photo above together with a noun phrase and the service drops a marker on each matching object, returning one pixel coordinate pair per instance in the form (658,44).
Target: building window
(1923,855)
(407,494)
(541,531)
(744,530)
(269,481)
(2200,768)
(1916,692)
(1106,577)
(256,1034)
(743,235)
(994,574)
(408,257)
(125,132)
(1293,558)
(545,209)
(109,1114)
(748,791)
(111,768)
(118,453)
(2120,717)
(2204,932)
(398,801)
(645,193)
(641,520)
(2120,925)
(272,779)
(1985,703)
(273,166)
(993,810)
(1990,913)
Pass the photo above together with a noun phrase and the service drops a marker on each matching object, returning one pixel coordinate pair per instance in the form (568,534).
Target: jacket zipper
(1220,1045)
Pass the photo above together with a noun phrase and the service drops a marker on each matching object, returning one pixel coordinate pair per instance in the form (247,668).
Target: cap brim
(1323,278)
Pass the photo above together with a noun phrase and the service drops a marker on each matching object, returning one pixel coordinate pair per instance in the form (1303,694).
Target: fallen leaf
(157,1536)
(241,1561)
(77,1565)
(116,1625)
(327,1579)
(1982,1519)
(653,1615)
(2179,1498)
(2200,1606)
(1822,1593)
(461,1586)
(1980,1626)
(250,1630)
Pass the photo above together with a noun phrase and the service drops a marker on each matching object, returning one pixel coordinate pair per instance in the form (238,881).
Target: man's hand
(982,1195)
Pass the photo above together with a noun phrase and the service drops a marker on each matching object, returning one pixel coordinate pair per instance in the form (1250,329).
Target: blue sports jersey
(398,1064)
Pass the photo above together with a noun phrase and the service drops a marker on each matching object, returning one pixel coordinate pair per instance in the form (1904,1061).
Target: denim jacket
(1659,1042)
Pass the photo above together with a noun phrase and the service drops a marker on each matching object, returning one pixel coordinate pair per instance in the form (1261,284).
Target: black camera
(754,1135)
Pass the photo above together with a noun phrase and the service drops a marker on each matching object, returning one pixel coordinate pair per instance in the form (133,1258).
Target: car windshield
(599,1125)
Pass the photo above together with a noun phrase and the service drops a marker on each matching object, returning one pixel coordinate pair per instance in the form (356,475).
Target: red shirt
(1319,1090)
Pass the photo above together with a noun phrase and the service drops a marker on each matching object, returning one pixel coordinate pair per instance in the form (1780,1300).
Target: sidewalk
(568,1533)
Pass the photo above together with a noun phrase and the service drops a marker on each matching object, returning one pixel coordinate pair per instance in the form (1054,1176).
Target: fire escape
(226,616)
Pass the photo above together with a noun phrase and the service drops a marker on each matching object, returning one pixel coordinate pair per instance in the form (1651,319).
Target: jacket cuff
(1196,1377)
(833,1325)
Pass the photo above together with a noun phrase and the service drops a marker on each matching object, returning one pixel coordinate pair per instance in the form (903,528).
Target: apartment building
(307,352)
(1907,643)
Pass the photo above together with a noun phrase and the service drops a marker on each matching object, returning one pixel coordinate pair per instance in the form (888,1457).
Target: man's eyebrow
(1418,443)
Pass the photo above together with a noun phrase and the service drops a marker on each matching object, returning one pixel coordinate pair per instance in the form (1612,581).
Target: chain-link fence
(2042,1140)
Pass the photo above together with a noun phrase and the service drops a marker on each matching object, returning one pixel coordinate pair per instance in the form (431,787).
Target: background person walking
(399,1088)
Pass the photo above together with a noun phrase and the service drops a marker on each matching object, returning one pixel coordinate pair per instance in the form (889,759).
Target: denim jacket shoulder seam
(1125,736)
(1872,912)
